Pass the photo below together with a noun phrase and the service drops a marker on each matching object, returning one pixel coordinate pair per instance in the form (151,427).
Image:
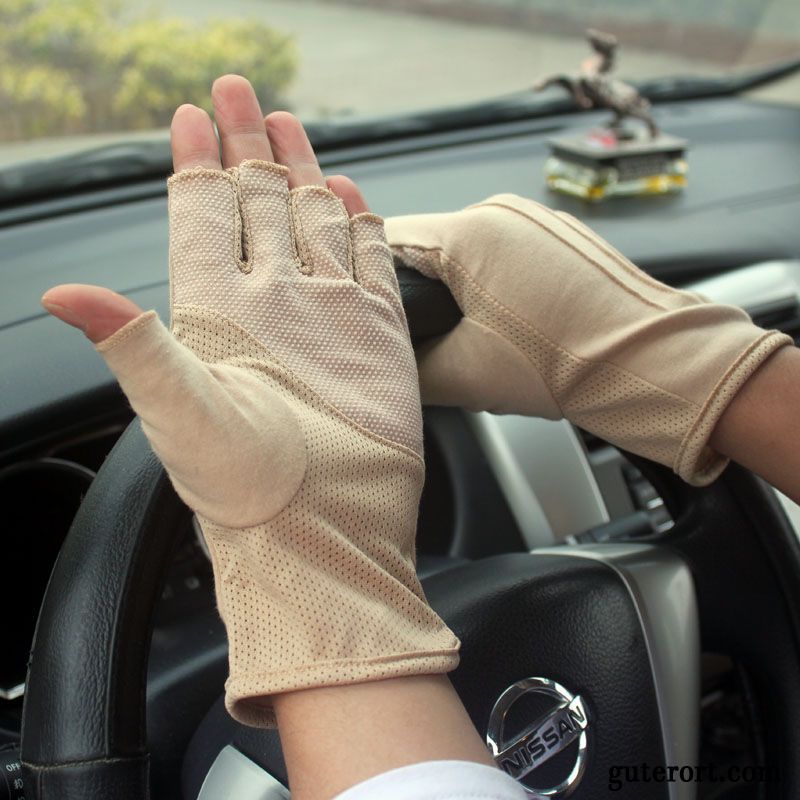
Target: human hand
(559,324)
(284,406)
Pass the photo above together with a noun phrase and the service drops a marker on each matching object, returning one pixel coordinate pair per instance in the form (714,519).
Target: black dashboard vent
(783,314)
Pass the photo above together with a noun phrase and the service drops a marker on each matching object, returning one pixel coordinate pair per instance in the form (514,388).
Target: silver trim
(198,535)
(544,474)
(13,692)
(233,776)
(791,509)
(661,587)
(755,286)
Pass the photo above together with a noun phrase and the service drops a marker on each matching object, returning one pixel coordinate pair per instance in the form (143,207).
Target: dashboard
(495,484)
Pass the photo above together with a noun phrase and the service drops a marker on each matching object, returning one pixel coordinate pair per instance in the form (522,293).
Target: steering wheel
(611,634)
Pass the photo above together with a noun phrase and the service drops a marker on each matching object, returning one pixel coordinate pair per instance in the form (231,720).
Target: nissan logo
(549,734)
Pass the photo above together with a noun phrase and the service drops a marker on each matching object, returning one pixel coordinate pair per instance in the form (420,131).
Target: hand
(100,312)
(284,406)
(559,324)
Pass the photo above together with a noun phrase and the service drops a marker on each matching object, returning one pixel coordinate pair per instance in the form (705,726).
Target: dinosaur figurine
(593,88)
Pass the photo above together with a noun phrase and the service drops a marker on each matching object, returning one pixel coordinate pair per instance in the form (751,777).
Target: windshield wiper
(139,160)
(112,163)
(695,87)
(524,105)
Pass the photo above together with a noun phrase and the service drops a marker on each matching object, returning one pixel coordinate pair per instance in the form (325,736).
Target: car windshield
(80,74)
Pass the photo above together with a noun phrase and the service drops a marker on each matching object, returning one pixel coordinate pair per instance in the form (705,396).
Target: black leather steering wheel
(615,627)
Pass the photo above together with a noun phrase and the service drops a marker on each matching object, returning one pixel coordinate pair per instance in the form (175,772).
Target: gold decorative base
(600,165)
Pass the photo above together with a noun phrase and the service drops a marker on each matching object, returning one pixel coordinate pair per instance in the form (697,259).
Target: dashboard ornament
(618,158)
(548,755)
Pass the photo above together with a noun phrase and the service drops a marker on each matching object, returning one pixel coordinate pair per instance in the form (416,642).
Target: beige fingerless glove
(286,411)
(559,324)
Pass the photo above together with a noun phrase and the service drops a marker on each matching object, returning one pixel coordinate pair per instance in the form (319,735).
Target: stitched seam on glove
(283,374)
(125,332)
(686,461)
(631,270)
(463,298)
(298,195)
(606,248)
(245,249)
(598,395)
(353,363)
(144,347)
(301,240)
(344,662)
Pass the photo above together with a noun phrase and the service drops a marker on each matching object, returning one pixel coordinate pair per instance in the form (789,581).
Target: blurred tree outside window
(78,66)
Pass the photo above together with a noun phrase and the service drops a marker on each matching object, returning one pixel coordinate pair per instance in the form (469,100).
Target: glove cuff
(695,462)
(248,696)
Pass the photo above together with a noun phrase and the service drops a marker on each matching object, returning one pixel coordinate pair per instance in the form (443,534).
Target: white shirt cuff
(438,780)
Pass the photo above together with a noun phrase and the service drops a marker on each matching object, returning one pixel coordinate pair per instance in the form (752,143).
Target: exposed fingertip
(194,142)
(292,148)
(65,314)
(280,117)
(228,90)
(230,78)
(240,121)
(95,310)
(349,193)
(187,108)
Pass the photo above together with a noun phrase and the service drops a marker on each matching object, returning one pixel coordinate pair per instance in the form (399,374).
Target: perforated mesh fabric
(348,344)
(288,397)
(326,592)
(645,366)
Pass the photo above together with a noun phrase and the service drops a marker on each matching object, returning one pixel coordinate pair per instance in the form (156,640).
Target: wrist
(760,428)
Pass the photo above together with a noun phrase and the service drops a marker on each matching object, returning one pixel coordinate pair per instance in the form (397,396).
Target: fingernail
(66,314)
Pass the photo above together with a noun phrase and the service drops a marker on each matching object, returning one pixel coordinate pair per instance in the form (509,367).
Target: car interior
(674,611)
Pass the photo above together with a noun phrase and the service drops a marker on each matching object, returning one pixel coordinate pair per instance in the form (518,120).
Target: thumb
(231,443)
(98,312)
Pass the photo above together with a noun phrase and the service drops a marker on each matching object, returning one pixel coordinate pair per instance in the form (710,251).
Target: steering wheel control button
(12,783)
(548,748)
